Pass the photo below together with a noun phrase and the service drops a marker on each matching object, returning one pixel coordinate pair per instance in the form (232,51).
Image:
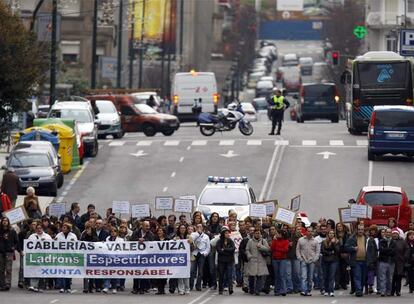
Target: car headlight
(115,121)
(163,121)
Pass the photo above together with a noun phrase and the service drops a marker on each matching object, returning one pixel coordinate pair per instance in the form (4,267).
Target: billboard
(155,23)
(289,5)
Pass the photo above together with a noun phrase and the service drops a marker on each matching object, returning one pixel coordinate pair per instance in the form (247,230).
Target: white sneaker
(114,291)
(187,292)
(68,291)
(326,294)
(331,294)
(105,290)
(61,290)
(182,293)
(31,288)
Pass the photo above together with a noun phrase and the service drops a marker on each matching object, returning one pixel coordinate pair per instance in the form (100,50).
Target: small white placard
(164,203)
(345,215)
(140,211)
(359,211)
(57,209)
(285,216)
(270,208)
(183,205)
(258,210)
(295,203)
(16,215)
(191,197)
(120,207)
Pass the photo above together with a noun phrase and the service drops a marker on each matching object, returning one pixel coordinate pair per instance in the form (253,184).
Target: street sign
(360,31)
(407,42)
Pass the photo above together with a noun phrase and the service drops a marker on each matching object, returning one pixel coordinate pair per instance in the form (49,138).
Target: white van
(188,89)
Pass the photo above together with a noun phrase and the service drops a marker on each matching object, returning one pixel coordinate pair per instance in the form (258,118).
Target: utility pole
(405,13)
(163,50)
(52,92)
(119,65)
(169,52)
(94,34)
(181,27)
(131,46)
(141,46)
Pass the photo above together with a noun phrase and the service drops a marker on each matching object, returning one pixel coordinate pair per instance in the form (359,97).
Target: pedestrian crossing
(233,142)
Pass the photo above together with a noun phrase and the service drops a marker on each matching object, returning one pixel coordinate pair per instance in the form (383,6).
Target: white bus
(194,89)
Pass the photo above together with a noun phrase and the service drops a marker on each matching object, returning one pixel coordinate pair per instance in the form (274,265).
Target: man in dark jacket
(73,215)
(8,244)
(400,257)
(356,247)
(225,250)
(386,264)
(141,235)
(10,185)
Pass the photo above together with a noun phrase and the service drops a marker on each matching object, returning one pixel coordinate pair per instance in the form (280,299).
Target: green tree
(23,63)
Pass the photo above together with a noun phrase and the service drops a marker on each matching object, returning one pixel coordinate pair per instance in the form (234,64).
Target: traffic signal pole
(52,88)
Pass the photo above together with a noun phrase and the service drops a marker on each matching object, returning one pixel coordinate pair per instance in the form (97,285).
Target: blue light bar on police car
(233,179)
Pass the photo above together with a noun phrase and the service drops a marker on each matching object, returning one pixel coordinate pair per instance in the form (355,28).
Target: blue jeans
(293,275)
(212,268)
(385,275)
(329,272)
(306,270)
(256,284)
(359,270)
(64,283)
(197,271)
(113,283)
(279,269)
(318,279)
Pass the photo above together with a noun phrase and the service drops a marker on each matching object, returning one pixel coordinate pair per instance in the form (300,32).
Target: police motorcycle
(226,120)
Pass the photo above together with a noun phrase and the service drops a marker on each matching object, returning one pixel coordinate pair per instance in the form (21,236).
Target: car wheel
(335,119)
(168,132)
(118,135)
(94,150)
(53,192)
(149,130)
(60,180)
(101,136)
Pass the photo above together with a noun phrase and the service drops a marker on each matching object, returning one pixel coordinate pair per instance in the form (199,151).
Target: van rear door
(395,127)
(319,98)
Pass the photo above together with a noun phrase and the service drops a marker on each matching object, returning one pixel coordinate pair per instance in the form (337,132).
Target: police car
(222,194)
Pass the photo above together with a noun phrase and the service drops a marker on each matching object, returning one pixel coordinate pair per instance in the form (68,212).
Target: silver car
(110,121)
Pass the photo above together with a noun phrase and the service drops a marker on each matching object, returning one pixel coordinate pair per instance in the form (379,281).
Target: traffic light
(335,57)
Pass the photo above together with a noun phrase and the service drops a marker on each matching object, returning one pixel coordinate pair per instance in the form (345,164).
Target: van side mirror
(351,201)
(411,202)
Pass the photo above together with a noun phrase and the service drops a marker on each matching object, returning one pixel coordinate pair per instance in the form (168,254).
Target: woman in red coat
(280,248)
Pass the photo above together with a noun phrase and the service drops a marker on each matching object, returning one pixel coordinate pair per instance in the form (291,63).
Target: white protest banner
(16,215)
(257,210)
(359,211)
(183,205)
(111,260)
(120,207)
(140,211)
(369,212)
(285,216)
(191,197)
(295,203)
(271,206)
(345,215)
(164,203)
(57,209)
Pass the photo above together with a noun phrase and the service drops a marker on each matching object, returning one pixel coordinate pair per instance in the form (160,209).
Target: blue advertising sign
(407,42)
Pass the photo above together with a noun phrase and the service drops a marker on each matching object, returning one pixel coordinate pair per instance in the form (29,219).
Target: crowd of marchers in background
(260,256)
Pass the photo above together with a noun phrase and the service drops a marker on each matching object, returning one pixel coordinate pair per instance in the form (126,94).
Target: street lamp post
(52,88)
(119,66)
(141,46)
(94,34)
(131,46)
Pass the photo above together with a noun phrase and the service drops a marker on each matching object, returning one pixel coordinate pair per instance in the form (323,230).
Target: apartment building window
(375,6)
(410,6)
(70,8)
(70,51)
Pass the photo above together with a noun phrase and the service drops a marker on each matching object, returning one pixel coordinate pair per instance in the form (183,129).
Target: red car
(386,202)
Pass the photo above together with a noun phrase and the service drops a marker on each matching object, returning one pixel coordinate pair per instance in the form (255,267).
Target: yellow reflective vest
(278,103)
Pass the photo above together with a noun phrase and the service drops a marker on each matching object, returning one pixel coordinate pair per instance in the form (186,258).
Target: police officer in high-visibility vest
(278,104)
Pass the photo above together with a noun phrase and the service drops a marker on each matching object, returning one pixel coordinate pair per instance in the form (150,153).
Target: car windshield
(265,84)
(144,109)
(390,75)
(394,119)
(105,107)
(80,115)
(225,196)
(319,91)
(383,198)
(22,160)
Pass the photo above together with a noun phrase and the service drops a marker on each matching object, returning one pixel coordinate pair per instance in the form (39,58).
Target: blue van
(318,101)
(391,131)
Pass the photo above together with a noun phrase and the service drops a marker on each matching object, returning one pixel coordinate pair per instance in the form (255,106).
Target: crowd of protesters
(260,256)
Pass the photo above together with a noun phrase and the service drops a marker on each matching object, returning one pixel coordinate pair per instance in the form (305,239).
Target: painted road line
(362,142)
(254,142)
(208,299)
(370,170)
(336,142)
(269,193)
(281,143)
(144,143)
(269,173)
(226,143)
(331,147)
(171,143)
(181,159)
(165,189)
(308,142)
(173,174)
(117,143)
(199,297)
(188,148)
(54,301)
(199,143)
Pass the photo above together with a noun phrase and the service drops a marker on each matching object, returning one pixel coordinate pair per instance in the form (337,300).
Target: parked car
(40,145)
(306,65)
(391,131)
(144,97)
(318,101)
(110,120)
(264,88)
(253,79)
(290,60)
(249,111)
(35,169)
(386,202)
(82,113)
(291,79)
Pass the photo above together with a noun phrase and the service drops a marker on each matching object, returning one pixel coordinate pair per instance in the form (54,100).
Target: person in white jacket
(42,236)
(66,235)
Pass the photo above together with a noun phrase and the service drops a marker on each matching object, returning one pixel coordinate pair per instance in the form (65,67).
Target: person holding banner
(225,250)
(201,243)
(66,235)
(183,283)
(113,283)
(89,235)
(8,244)
(41,236)
(161,237)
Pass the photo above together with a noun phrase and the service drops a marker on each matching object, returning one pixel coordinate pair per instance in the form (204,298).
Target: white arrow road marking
(138,154)
(326,154)
(229,154)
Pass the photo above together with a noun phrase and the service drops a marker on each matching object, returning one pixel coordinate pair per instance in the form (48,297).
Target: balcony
(379,20)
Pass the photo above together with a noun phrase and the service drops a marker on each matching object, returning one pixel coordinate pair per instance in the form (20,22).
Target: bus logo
(384,75)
